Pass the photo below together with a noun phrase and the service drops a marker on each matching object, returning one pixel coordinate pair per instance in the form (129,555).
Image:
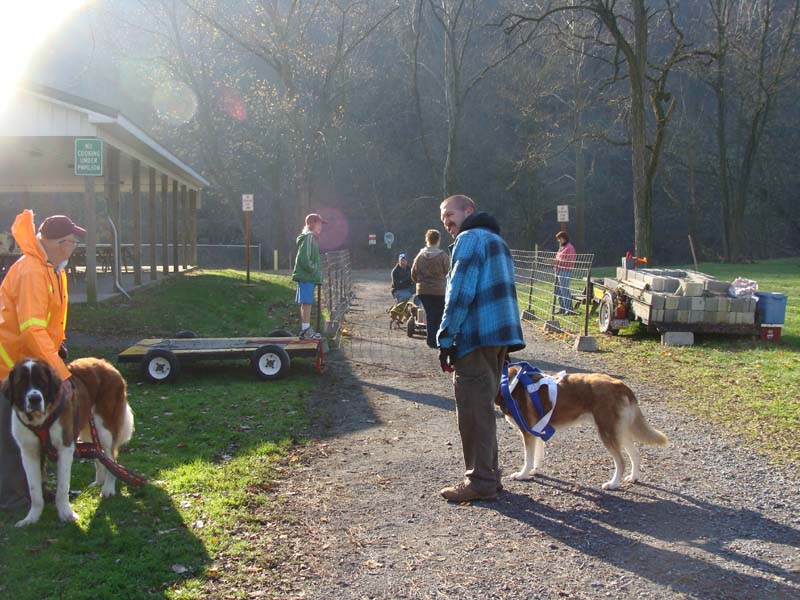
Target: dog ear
(53,383)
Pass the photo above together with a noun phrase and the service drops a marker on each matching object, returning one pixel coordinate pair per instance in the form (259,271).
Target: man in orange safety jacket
(33,317)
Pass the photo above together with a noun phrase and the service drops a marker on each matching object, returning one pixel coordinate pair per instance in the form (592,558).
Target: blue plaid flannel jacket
(481,298)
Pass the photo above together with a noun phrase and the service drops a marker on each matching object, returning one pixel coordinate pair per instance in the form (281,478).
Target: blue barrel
(771,308)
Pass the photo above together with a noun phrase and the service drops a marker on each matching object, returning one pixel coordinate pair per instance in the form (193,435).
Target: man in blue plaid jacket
(480,326)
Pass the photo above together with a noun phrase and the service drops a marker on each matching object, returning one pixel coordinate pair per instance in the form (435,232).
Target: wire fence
(553,290)
(337,284)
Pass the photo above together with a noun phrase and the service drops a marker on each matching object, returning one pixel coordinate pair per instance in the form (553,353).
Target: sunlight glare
(24,27)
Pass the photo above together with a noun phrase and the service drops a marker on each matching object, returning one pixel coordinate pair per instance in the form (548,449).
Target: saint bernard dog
(33,388)
(586,397)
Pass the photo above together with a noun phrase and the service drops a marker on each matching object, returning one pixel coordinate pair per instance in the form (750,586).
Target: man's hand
(63,354)
(446,359)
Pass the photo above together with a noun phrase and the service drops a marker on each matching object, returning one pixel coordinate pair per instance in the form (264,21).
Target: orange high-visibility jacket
(33,304)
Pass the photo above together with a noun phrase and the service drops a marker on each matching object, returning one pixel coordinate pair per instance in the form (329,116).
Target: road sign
(373,239)
(88,157)
(247,202)
(563,213)
(388,239)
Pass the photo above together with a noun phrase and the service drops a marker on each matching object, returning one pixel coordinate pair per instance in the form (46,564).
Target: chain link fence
(554,291)
(337,285)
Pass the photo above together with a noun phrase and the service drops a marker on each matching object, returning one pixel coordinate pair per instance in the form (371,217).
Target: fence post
(589,296)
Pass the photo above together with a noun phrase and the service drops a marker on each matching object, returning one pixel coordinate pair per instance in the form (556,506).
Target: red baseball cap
(59,226)
(314,218)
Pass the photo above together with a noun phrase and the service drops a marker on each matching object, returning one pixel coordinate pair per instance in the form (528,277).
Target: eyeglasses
(73,242)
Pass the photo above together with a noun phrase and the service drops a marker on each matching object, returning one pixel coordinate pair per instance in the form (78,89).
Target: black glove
(446,359)
(62,353)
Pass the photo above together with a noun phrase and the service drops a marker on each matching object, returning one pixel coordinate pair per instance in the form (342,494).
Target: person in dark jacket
(402,284)
(429,271)
(308,272)
(480,326)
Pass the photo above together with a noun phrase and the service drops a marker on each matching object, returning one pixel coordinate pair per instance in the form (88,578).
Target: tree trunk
(642,191)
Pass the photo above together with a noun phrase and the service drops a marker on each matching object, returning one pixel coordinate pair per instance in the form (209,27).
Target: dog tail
(643,432)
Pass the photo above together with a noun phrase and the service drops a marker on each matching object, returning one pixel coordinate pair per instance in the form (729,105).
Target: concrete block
(730,317)
(622,273)
(585,343)
(692,288)
(716,317)
(683,316)
(611,283)
(684,303)
(671,302)
(656,300)
(696,316)
(723,304)
(670,316)
(711,304)
(714,286)
(657,314)
(749,318)
(677,338)
(671,285)
(640,309)
(697,304)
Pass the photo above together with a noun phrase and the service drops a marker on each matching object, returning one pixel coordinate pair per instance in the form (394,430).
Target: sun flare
(24,27)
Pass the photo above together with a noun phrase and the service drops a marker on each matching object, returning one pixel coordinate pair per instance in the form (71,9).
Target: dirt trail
(710,519)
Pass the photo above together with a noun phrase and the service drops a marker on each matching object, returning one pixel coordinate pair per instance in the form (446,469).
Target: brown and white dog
(33,389)
(592,397)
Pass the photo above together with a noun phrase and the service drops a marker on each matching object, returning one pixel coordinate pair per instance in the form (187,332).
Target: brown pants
(13,483)
(476,380)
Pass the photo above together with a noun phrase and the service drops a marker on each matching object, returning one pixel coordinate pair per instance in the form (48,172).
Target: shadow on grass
(128,546)
(692,527)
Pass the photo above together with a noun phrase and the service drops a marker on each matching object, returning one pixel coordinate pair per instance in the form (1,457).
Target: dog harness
(91,449)
(524,375)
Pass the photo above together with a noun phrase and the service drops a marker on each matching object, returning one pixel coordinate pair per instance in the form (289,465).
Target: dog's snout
(34,400)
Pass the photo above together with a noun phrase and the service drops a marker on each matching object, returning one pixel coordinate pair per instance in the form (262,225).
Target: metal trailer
(270,356)
(619,302)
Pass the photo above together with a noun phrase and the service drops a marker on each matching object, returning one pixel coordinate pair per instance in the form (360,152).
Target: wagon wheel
(606,314)
(270,362)
(411,326)
(281,333)
(160,366)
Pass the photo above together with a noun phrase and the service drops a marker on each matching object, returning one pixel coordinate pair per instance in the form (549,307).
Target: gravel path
(710,518)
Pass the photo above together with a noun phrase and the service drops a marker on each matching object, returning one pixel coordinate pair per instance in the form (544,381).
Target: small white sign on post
(388,239)
(373,239)
(562,211)
(247,202)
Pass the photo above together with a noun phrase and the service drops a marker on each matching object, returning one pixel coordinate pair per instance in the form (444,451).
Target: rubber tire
(172,363)
(185,335)
(282,333)
(277,353)
(605,314)
(411,327)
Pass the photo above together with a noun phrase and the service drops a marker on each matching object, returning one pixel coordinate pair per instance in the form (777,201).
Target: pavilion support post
(193,227)
(164,225)
(114,207)
(184,229)
(136,207)
(151,226)
(175,261)
(91,239)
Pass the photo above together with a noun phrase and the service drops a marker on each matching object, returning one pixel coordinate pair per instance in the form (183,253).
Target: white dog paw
(67,515)
(26,521)
(631,479)
(610,485)
(522,476)
(107,493)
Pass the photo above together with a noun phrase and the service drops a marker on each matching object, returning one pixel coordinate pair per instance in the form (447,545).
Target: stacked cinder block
(674,296)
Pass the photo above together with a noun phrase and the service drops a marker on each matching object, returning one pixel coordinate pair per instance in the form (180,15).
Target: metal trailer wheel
(411,327)
(281,333)
(606,314)
(270,362)
(160,366)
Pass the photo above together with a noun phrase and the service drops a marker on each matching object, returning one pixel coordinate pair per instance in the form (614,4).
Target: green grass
(210,303)
(210,445)
(748,386)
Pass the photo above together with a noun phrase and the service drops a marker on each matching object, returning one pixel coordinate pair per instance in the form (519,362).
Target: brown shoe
(466,492)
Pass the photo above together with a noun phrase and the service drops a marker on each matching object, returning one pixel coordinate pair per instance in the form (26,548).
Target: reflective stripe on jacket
(33,304)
